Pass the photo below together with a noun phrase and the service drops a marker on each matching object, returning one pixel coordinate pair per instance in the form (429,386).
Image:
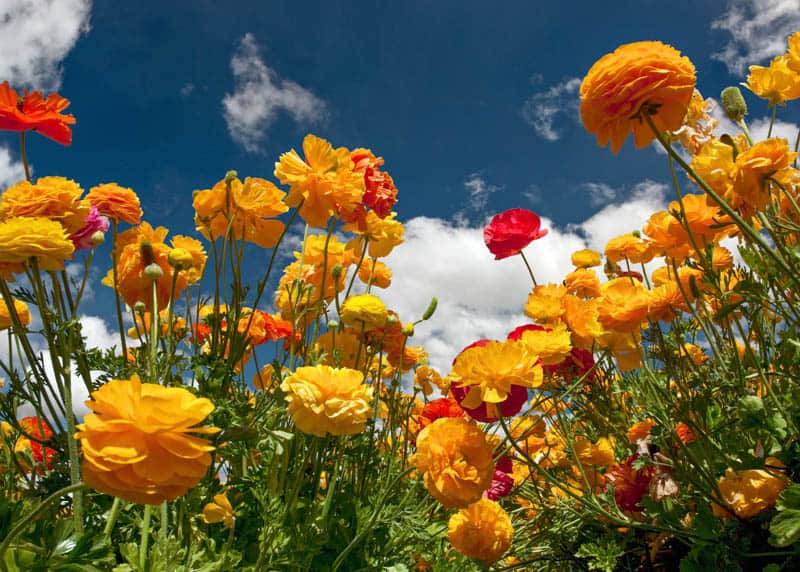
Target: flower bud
(391,319)
(230,176)
(336,271)
(98,238)
(139,307)
(431,308)
(146,249)
(153,271)
(733,103)
(408,329)
(333,324)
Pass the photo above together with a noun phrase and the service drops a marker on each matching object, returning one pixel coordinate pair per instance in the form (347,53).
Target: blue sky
(473,106)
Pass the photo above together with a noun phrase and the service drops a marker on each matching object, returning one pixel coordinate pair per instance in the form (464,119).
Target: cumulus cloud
(758,30)
(542,109)
(480,297)
(11,170)
(37,35)
(260,94)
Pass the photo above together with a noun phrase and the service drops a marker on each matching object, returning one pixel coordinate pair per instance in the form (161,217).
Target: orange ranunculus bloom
(325,182)
(380,194)
(263,327)
(375,272)
(585,258)
(623,306)
(544,303)
(324,400)
(481,531)
(749,492)
(455,461)
(22,238)
(56,198)
(193,264)
(248,209)
(666,301)
(117,203)
(640,430)
(630,247)
(136,445)
(752,168)
(219,511)
(619,85)
(583,283)
(21,309)
(32,111)
(777,83)
(138,247)
(39,430)
(600,454)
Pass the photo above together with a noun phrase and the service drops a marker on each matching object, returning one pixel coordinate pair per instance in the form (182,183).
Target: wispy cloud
(259,95)
(37,36)
(478,192)
(758,30)
(11,170)
(543,109)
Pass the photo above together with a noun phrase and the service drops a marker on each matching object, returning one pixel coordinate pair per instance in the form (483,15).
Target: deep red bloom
(630,485)
(39,432)
(511,231)
(438,408)
(630,274)
(33,112)
(516,333)
(502,481)
(380,194)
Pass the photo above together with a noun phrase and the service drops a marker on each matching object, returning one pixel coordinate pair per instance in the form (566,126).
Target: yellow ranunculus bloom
(749,492)
(551,346)
(364,309)
(585,258)
(137,443)
(777,83)
(22,311)
(22,238)
(56,198)
(219,511)
(324,400)
(455,461)
(481,531)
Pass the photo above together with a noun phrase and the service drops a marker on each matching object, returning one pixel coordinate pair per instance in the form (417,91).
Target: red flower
(630,485)
(380,194)
(438,408)
(502,482)
(511,231)
(39,430)
(33,112)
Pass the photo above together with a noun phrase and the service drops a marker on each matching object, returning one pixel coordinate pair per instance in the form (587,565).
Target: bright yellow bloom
(193,264)
(325,182)
(455,461)
(793,57)
(136,445)
(551,346)
(219,511)
(649,75)
(749,492)
(45,239)
(364,310)
(22,311)
(382,235)
(600,454)
(776,83)
(544,303)
(630,247)
(585,258)
(324,400)
(714,164)
(341,348)
(481,531)
(490,371)
(56,198)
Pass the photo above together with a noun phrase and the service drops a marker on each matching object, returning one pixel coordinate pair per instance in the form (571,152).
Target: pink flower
(502,482)
(94,222)
(511,231)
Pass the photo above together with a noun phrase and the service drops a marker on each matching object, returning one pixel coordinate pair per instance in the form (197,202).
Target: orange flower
(583,283)
(624,305)
(481,531)
(777,83)
(38,430)
(118,203)
(455,461)
(20,307)
(752,168)
(643,75)
(628,246)
(640,430)
(380,193)
(32,112)
(56,198)
(375,272)
(749,492)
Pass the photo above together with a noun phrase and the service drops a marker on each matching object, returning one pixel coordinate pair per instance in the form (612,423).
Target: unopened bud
(139,307)
(333,324)
(336,271)
(733,103)
(431,309)
(98,238)
(230,176)
(146,249)
(390,319)
(408,329)
(636,233)
(153,271)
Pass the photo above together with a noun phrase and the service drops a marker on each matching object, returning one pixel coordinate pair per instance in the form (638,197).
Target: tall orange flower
(619,85)
(116,202)
(32,112)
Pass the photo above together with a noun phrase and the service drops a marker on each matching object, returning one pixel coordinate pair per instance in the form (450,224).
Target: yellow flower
(585,258)
(382,234)
(490,371)
(136,445)
(551,346)
(22,311)
(749,492)
(22,238)
(583,283)
(630,247)
(649,75)
(623,305)
(544,303)
(600,454)
(375,272)
(324,400)
(793,57)
(219,511)
(322,185)
(364,309)
(776,83)
(481,531)
(340,349)
(455,461)
(193,264)
(56,198)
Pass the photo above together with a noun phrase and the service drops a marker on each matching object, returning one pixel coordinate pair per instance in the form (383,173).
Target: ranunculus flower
(22,310)
(364,310)
(630,485)
(323,400)
(637,75)
(750,492)
(219,511)
(35,113)
(22,238)
(39,430)
(481,531)
(116,202)
(94,222)
(455,461)
(137,443)
(511,231)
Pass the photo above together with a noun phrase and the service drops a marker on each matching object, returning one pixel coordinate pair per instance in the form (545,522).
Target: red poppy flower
(511,231)
(630,485)
(32,112)
(438,408)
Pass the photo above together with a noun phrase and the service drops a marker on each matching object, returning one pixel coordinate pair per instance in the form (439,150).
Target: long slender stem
(112,517)
(148,513)
(24,156)
(528,266)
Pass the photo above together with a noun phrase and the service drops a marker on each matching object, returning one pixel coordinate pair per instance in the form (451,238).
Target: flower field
(258,415)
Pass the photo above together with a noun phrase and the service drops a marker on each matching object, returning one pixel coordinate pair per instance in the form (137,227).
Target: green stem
(24,156)
(148,513)
(528,266)
(120,323)
(112,517)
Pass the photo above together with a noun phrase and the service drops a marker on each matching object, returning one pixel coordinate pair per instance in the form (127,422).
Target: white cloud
(37,35)
(759,127)
(478,193)
(541,110)
(11,170)
(260,94)
(480,297)
(758,30)
(599,193)
(187,89)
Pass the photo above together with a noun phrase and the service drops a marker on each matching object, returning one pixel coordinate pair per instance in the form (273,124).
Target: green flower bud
(98,238)
(431,308)
(139,307)
(733,103)
(230,176)
(153,271)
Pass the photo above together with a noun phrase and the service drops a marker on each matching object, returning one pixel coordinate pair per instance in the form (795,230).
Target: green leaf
(785,528)
(602,555)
